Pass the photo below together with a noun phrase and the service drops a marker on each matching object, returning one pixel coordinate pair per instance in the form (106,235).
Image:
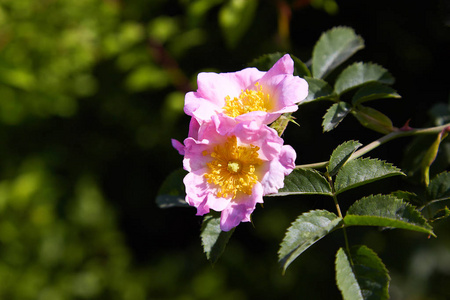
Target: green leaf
(441,214)
(408,197)
(333,48)
(318,89)
(334,115)
(439,186)
(172,193)
(373,91)
(361,274)
(346,278)
(197,11)
(440,113)
(307,229)
(214,240)
(359,74)
(362,171)
(306,182)
(386,211)
(340,156)
(300,68)
(282,122)
(414,153)
(430,156)
(373,119)
(235,17)
(265,62)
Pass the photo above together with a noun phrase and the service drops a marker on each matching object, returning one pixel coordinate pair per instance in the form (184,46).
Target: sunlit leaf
(359,171)
(307,229)
(373,119)
(359,74)
(214,240)
(340,156)
(281,123)
(172,193)
(373,91)
(346,278)
(333,48)
(305,181)
(318,89)
(386,211)
(361,274)
(334,115)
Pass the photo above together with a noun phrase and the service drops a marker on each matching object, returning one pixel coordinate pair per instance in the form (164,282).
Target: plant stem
(388,137)
(338,209)
(318,165)
(344,229)
(432,202)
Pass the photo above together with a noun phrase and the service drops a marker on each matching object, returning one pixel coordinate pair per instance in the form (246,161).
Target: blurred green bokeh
(91,92)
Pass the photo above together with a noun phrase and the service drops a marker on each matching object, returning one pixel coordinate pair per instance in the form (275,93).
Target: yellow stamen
(249,100)
(233,168)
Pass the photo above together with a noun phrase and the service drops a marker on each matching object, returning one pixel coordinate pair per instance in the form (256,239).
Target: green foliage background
(92,91)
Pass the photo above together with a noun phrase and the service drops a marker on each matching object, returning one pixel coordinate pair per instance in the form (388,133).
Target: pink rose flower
(248,94)
(231,171)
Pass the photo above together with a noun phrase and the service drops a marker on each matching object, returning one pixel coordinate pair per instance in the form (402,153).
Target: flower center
(249,100)
(233,168)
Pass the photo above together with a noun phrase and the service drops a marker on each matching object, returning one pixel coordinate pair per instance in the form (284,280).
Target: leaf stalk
(386,138)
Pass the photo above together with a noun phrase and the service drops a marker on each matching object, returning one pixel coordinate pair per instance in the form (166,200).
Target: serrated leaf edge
(290,230)
(331,31)
(395,173)
(343,163)
(366,82)
(324,116)
(305,193)
(407,205)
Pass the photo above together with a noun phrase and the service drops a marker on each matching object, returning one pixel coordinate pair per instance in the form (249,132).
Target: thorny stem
(388,137)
